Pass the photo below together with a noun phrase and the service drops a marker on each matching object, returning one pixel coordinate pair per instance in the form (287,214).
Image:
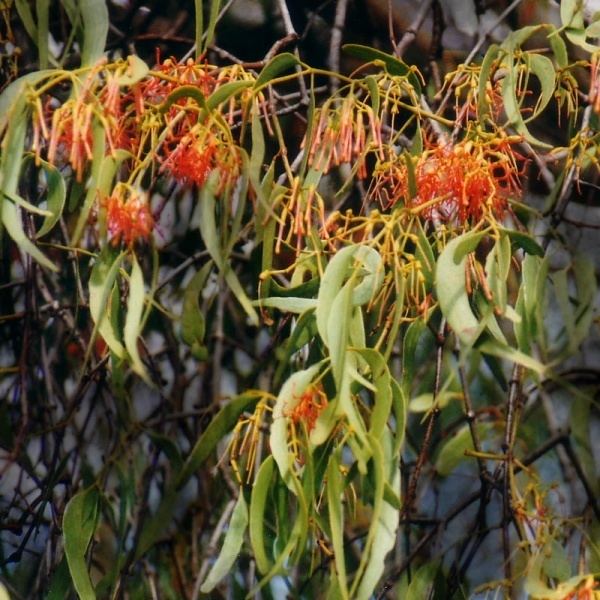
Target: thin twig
(423,454)
(336,41)
(411,33)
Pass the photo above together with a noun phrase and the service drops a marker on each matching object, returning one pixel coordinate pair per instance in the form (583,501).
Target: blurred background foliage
(298,299)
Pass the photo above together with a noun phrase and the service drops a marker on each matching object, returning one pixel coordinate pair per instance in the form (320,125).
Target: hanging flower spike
(128,216)
(340,136)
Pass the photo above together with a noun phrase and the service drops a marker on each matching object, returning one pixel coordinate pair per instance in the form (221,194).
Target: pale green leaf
(79,524)
(94,14)
(55,198)
(287,304)
(100,285)
(133,320)
(336,520)
(258,503)
(287,399)
(232,545)
(192,320)
(136,71)
(450,286)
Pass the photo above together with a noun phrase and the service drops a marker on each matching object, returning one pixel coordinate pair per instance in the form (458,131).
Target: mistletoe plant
(391,256)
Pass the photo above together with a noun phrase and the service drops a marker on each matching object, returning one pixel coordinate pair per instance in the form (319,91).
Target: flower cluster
(341,136)
(202,150)
(128,216)
(464,182)
(112,101)
(310,405)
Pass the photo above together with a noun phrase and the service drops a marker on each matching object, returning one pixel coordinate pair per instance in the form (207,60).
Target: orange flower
(311,404)
(463,182)
(129,218)
(200,152)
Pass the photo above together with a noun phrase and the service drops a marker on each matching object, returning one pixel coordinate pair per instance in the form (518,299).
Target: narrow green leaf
(210,235)
(100,163)
(512,108)
(393,65)
(12,221)
(225,92)
(183,91)
(524,241)
(232,545)
(169,448)
(60,583)
(12,99)
(26,17)
(349,262)
(541,66)
(192,320)
(258,503)
(287,399)
(100,285)
(489,60)
(501,350)
(199,26)
(55,197)
(94,14)
(220,425)
(215,6)
(79,524)
(335,509)
(386,516)
(450,287)
(409,347)
(42,9)
(133,320)
(275,67)
(293,305)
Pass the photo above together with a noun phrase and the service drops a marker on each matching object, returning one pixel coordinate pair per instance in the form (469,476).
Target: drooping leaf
(133,321)
(231,546)
(336,521)
(450,287)
(101,282)
(79,524)
(219,426)
(42,11)
(225,92)
(55,198)
(94,15)
(12,221)
(287,399)
(210,235)
(258,503)
(192,320)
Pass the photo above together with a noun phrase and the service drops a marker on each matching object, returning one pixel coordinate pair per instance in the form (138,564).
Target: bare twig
(411,33)
(336,41)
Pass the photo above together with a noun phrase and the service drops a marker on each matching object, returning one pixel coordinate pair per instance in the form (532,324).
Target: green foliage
(422,316)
